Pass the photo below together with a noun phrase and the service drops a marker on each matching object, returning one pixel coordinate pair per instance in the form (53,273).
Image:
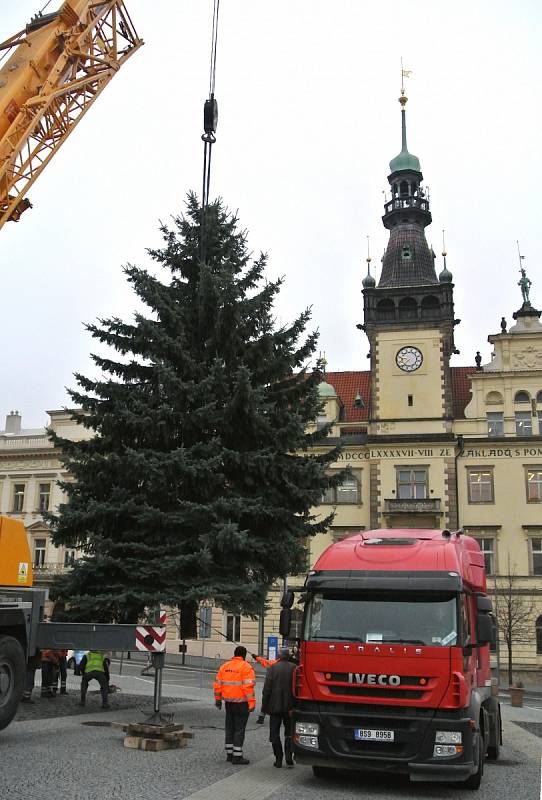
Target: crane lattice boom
(56,69)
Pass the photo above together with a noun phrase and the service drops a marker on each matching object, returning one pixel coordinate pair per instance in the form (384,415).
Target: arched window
(403,189)
(539,397)
(408,308)
(538,630)
(430,306)
(494,399)
(522,397)
(385,309)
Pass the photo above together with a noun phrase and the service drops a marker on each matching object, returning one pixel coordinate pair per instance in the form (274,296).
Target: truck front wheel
(476,779)
(323,772)
(12,675)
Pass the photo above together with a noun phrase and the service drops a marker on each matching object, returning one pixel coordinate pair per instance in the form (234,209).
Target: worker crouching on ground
(277,701)
(234,684)
(49,672)
(94,666)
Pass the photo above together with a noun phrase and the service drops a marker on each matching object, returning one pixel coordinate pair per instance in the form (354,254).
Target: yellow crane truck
(23,631)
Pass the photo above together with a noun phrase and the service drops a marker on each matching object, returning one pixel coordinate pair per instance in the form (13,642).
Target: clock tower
(409,315)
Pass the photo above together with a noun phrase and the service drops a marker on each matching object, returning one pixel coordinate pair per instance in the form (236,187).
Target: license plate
(371,735)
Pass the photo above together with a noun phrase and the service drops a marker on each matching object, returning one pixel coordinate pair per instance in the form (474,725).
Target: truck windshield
(375,618)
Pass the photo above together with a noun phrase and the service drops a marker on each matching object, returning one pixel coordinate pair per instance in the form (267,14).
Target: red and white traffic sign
(150,638)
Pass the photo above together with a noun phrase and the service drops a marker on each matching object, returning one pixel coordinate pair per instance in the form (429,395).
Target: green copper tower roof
(405,160)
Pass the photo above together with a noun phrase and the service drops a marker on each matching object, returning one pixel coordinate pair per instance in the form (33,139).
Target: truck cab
(394,670)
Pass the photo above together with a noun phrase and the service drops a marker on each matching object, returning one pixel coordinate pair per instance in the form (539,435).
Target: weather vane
(405,73)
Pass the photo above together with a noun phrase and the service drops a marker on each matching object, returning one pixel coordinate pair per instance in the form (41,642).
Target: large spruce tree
(197,482)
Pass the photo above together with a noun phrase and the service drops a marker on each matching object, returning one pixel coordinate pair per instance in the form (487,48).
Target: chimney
(13,422)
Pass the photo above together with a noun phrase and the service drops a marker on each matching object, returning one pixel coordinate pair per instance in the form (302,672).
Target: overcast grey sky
(308,121)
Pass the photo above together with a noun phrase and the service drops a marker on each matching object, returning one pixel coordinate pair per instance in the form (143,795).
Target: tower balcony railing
(400,203)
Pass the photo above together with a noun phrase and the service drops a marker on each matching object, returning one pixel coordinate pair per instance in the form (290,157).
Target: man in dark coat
(277,701)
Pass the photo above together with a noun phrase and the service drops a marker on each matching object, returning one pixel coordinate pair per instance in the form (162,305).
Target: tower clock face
(409,359)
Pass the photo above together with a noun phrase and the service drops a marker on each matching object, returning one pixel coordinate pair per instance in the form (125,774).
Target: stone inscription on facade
(398,452)
(440,452)
(503,452)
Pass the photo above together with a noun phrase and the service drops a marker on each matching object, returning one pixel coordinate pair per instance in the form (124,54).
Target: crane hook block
(210,116)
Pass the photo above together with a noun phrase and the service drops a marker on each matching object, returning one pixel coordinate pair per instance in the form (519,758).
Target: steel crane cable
(210,115)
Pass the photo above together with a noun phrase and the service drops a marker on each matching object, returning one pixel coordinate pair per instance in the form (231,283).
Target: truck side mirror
(287,599)
(483,603)
(485,630)
(285,622)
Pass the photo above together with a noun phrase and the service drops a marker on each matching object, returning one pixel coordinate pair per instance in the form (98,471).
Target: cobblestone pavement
(64,758)
(68,705)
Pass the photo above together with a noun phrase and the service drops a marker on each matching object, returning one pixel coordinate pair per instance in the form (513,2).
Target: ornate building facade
(30,468)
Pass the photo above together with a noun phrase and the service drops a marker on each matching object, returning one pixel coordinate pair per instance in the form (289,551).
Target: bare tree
(514,612)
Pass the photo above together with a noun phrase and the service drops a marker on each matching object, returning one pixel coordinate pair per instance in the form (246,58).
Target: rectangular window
(328,497)
(411,484)
(536,555)
(480,484)
(321,422)
(346,492)
(39,552)
(18,497)
(540,422)
(205,614)
(69,558)
(524,423)
(233,627)
(44,496)
(495,423)
(534,485)
(487,546)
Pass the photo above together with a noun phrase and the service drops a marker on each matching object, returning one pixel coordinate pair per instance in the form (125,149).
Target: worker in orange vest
(234,684)
(264,662)
(49,672)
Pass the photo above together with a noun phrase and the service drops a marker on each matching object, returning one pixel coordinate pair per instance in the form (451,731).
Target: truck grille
(374,691)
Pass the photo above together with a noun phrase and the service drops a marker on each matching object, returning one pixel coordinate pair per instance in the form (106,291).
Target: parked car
(74,659)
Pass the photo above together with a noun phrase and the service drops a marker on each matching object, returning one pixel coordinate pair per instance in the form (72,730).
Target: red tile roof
(461,389)
(348,384)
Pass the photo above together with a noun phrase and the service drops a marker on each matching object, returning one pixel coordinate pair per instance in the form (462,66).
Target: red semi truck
(394,671)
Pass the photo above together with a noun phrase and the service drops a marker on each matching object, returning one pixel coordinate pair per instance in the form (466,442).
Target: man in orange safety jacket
(234,684)
(264,662)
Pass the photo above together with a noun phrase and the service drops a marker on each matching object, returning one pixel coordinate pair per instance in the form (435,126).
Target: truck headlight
(308,741)
(448,737)
(446,750)
(308,728)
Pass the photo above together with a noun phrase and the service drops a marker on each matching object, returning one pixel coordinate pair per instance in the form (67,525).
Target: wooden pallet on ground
(142,736)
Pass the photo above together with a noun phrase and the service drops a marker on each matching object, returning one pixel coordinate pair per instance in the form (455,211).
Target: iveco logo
(379,680)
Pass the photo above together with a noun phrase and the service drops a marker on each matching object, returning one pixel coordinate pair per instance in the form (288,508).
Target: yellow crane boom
(56,69)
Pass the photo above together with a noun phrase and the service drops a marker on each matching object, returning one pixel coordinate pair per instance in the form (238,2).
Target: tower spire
(368,281)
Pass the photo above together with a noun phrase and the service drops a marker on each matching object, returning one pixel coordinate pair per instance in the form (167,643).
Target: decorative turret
(408,260)
(445,276)
(368,282)
(409,313)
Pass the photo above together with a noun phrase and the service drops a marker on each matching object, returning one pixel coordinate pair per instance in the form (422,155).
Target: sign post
(152,639)
(272,647)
